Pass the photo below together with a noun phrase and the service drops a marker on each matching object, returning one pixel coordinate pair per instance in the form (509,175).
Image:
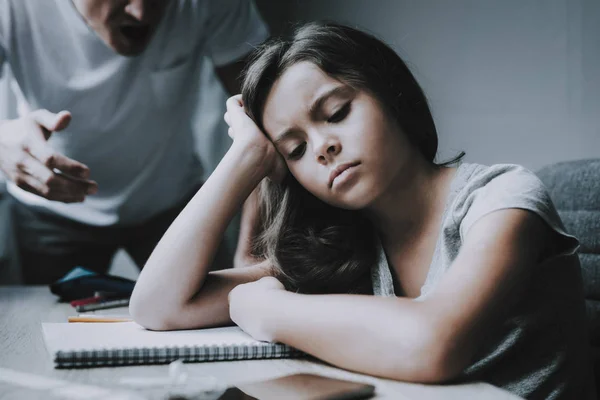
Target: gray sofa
(575,189)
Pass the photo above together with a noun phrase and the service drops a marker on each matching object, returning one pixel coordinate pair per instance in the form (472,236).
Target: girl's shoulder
(497,186)
(479,190)
(471,177)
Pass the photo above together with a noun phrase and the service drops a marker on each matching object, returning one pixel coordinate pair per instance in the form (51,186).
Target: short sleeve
(234,28)
(511,186)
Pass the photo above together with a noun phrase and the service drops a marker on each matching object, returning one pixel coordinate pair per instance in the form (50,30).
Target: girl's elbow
(439,371)
(432,361)
(441,362)
(145,315)
(151,321)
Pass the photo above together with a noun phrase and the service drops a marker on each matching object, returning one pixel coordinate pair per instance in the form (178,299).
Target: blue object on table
(80,283)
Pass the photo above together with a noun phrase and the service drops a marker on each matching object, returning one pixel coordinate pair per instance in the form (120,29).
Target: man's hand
(28,160)
(249,306)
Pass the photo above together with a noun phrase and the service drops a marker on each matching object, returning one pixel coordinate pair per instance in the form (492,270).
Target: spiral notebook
(73,345)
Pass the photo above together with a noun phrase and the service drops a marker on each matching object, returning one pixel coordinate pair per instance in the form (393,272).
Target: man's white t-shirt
(132,119)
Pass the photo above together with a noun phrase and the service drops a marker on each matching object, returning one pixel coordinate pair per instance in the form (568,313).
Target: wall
(508,81)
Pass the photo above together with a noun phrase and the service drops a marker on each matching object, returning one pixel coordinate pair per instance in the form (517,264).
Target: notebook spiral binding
(165,355)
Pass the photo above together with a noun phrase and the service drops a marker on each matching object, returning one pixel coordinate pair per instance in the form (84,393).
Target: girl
(372,257)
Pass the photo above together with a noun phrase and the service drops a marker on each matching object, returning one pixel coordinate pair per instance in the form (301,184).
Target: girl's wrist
(275,321)
(253,159)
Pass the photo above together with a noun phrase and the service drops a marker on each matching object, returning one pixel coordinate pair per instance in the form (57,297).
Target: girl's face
(337,141)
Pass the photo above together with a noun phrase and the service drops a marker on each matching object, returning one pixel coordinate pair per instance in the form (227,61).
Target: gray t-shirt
(541,349)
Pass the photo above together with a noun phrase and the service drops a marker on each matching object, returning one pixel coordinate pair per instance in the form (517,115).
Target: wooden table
(22,350)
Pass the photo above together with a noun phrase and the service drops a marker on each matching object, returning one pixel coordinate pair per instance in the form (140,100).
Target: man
(104,157)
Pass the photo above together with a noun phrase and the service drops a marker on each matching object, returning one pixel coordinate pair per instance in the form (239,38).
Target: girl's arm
(173,291)
(421,341)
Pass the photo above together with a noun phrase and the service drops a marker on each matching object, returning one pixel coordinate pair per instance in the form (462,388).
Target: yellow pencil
(99,318)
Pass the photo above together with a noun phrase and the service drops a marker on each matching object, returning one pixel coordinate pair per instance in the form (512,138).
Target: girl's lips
(337,171)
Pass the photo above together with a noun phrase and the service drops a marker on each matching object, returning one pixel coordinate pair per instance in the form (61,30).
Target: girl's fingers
(236,115)
(234,103)
(241,126)
(238,99)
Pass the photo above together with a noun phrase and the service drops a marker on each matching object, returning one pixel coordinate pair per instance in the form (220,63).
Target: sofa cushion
(574,187)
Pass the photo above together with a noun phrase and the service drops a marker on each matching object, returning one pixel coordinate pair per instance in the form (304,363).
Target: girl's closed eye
(340,114)
(297,152)
(336,117)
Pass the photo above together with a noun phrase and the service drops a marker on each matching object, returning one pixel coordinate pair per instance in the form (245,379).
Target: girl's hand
(249,306)
(245,133)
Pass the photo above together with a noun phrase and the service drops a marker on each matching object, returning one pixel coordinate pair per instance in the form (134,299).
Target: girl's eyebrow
(314,108)
(322,98)
(288,132)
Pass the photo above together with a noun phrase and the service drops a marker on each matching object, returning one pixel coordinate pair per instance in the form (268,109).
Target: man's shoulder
(31,19)
(190,7)
(19,12)
(21,8)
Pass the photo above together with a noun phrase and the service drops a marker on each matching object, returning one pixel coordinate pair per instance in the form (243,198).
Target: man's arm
(230,75)
(234,27)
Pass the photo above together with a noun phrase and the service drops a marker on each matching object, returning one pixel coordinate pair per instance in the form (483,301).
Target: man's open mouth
(137,33)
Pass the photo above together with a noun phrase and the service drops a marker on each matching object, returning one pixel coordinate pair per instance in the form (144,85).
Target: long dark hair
(314,247)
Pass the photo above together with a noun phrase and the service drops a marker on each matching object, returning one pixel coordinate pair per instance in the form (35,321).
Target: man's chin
(129,47)
(130,50)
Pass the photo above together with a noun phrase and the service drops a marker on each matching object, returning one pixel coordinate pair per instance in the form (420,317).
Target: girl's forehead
(293,94)
(303,77)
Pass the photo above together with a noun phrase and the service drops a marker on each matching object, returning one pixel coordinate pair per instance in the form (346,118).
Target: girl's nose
(328,150)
